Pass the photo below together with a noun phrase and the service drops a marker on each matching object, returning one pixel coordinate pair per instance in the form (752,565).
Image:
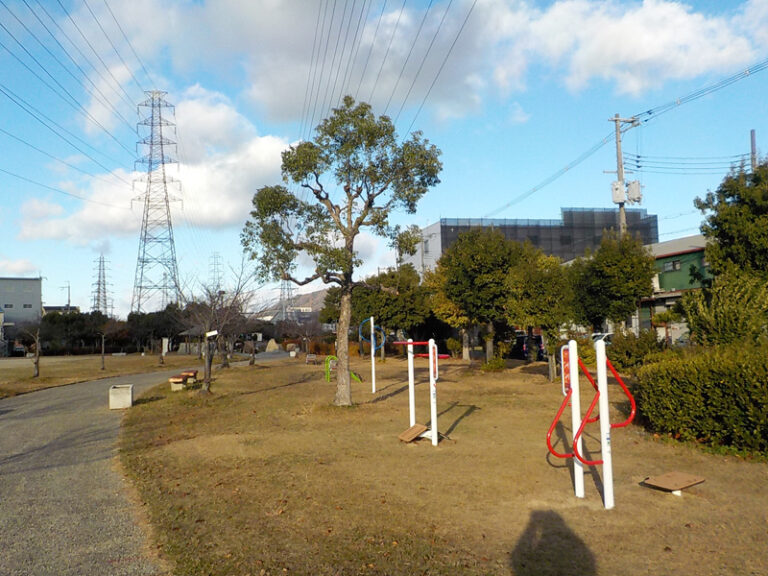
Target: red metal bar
(581,429)
(554,425)
(594,385)
(629,395)
(413,343)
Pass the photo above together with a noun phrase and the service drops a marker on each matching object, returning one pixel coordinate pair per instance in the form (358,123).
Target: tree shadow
(548,547)
(536,368)
(468,409)
(147,399)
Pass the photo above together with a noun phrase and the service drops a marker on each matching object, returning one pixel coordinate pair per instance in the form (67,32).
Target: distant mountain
(314,300)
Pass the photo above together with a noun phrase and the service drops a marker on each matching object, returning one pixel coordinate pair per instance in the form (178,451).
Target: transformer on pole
(157,278)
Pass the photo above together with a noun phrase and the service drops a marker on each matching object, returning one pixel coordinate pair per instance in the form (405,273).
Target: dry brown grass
(16,373)
(265,477)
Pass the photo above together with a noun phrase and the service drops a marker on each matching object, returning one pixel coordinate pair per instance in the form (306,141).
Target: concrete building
(21,302)
(579,229)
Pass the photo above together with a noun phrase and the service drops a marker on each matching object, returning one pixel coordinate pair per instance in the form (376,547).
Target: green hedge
(629,351)
(718,396)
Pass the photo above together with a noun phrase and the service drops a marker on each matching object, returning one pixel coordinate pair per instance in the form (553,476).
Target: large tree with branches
(354,174)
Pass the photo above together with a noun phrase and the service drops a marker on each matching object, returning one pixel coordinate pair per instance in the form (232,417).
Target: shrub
(496,364)
(718,396)
(630,351)
(454,346)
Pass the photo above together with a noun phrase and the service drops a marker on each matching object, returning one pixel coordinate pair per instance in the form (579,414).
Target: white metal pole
(433,389)
(373,357)
(411,383)
(578,466)
(605,425)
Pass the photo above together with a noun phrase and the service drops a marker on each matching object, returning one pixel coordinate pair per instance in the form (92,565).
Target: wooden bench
(190,374)
(311,359)
(178,382)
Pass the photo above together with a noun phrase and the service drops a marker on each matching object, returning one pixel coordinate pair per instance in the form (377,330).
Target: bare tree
(218,312)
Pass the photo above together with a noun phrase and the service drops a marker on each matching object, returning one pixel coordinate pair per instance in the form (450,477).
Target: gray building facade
(579,229)
(21,300)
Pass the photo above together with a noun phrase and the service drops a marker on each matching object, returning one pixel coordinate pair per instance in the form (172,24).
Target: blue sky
(511,91)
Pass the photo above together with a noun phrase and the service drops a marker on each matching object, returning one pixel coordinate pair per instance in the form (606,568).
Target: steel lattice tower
(100,299)
(157,278)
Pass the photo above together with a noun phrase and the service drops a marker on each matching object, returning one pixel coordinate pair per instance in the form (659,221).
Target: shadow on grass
(468,410)
(548,547)
(147,400)
(562,440)
(536,368)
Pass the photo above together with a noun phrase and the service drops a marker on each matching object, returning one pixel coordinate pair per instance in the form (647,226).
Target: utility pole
(622,191)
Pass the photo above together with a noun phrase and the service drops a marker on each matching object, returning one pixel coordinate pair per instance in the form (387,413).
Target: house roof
(677,246)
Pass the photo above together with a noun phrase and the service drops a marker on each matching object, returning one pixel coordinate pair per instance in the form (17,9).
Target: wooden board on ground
(673,481)
(413,432)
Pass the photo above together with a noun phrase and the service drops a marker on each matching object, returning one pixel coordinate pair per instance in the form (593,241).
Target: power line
(88,42)
(109,39)
(408,57)
(59,190)
(102,98)
(370,50)
(130,45)
(389,45)
(447,55)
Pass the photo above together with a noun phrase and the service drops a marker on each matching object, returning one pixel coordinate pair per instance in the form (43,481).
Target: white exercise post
(411,384)
(373,357)
(573,367)
(605,424)
(433,389)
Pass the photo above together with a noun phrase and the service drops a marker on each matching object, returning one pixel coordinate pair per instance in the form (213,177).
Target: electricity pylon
(100,299)
(157,277)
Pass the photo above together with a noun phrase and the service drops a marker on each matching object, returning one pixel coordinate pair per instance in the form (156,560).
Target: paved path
(63,506)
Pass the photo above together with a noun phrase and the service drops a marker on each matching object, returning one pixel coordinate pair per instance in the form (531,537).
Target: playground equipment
(330,364)
(374,347)
(571,364)
(419,430)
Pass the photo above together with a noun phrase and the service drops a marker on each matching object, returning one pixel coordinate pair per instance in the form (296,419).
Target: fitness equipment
(330,364)
(419,430)
(571,364)
(374,346)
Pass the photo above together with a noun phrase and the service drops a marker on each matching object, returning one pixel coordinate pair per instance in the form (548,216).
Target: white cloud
(16,267)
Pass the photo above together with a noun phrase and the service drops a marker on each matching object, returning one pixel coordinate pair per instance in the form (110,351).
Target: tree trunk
(37,359)
(465,344)
(343,384)
(223,348)
(489,343)
(206,387)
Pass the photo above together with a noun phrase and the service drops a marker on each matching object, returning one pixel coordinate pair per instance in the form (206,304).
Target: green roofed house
(680,267)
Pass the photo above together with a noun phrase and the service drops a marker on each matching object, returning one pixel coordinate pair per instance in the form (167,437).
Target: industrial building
(21,302)
(569,237)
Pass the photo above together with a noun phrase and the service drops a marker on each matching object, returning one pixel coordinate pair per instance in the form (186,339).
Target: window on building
(7,305)
(27,305)
(671,265)
(426,246)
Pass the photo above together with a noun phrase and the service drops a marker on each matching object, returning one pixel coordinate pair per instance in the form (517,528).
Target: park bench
(190,374)
(311,359)
(178,382)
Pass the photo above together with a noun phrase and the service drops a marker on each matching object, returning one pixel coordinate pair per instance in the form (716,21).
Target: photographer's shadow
(548,547)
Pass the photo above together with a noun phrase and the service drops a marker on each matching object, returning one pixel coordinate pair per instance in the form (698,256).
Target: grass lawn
(265,476)
(16,373)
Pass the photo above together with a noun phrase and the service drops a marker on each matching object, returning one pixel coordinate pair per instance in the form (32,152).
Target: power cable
(423,60)
(389,45)
(325,58)
(333,60)
(356,41)
(60,191)
(98,56)
(102,99)
(447,55)
(408,57)
(39,116)
(109,39)
(130,45)
(52,157)
(305,107)
(370,49)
